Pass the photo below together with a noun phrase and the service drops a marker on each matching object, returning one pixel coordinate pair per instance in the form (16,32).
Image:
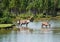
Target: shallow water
(37,25)
(35,36)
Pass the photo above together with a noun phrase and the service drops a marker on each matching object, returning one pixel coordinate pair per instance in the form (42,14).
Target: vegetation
(5,32)
(5,25)
(10,10)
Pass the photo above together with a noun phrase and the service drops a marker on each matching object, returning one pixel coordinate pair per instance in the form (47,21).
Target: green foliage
(5,25)
(10,9)
(12,4)
(6,17)
(26,15)
(38,15)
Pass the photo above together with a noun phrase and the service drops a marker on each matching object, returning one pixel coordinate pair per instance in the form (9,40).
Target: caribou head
(32,19)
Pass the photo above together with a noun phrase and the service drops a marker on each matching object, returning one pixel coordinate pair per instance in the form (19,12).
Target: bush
(6,20)
(26,15)
(38,15)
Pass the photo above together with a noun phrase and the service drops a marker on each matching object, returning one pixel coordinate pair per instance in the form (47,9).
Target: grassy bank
(5,25)
(51,18)
(37,17)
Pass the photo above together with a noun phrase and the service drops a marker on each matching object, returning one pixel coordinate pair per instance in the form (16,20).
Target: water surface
(35,36)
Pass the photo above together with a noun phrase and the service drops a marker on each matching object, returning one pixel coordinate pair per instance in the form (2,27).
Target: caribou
(26,21)
(46,24)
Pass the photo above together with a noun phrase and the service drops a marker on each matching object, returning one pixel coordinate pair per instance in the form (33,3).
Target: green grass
(5,25)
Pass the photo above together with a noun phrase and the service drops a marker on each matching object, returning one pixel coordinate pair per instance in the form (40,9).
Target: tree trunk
(55,7)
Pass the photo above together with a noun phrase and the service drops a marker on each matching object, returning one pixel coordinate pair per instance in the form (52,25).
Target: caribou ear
(32,19)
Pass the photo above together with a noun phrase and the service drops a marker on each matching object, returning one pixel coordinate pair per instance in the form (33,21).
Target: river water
(36,36)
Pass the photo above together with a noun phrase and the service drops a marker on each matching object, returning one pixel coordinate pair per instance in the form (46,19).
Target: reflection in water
(16,36)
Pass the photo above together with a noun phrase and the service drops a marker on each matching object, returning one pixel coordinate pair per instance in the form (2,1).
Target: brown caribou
(45,24)
(26,21)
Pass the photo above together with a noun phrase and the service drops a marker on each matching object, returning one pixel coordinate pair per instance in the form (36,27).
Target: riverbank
(5,26)
(45,19)
(36,17)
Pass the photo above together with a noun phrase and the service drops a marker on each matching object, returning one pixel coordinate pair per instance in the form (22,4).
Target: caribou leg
(49,25)
(46,26)
(20,25)
(42,25)
(26,24)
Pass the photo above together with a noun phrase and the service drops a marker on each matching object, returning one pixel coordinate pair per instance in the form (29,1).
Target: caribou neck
(32,19)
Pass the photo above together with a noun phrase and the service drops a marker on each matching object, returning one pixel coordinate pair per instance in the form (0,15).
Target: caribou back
(24,21)
(45,23)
